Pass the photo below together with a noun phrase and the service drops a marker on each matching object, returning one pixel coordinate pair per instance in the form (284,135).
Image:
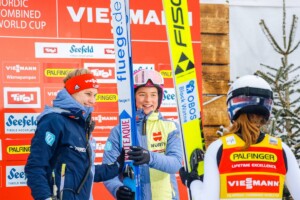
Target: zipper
(144,125)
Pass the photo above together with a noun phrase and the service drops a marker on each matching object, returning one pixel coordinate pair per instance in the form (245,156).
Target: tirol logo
(253,183)
(22,97)
(109,51)
(20,123)
(15,176)
(50,50)
(188,101)
(157,136)
(104,72)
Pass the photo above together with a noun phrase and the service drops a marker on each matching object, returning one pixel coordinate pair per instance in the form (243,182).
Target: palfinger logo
(18,149)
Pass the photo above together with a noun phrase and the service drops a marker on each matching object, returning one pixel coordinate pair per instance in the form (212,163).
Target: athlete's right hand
(125,193)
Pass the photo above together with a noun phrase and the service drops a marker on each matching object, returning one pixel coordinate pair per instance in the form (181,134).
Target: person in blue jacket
(61,161)
(159,151)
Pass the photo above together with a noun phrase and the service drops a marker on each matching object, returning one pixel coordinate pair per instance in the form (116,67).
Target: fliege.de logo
(22,97)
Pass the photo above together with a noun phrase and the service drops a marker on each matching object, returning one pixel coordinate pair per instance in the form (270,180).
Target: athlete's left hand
(139,155)
(187,178)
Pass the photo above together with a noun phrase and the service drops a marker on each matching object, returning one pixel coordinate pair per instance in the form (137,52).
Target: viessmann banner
(41,41)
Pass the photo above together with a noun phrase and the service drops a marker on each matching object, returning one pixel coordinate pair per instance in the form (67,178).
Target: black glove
(139,155)
(187,178)
(124,193)
(121,160)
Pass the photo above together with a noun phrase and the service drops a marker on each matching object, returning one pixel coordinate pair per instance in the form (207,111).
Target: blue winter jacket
(163,140)
(61,138)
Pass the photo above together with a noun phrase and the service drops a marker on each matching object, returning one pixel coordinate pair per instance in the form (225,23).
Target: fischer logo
(20,123)
(22,97)
(15,176)
(50,50)
(255,183)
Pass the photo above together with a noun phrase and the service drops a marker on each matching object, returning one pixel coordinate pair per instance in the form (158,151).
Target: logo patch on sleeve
(49,138)
(108,146)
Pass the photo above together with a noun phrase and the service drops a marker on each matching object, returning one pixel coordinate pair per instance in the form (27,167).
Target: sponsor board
(50,94)
(74,50)
(254,183)
(21,97)
(107,99)
(15,176)
(169,98)
(0,172)
(20,123)
(0,154)
(56,72)
(16,149)
(103,72)
(171,116)
(105,121)
(20,72)
(140,66)
(100,144)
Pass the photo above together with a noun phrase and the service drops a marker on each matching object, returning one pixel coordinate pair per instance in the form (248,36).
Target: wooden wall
(215,66)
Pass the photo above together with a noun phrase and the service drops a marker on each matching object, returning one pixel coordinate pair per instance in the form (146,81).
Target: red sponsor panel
(107,99)
(41,41)
(253,183)
(16,149)
(20,72)
(100,144)
(32,18)
(22,97)
(55,72)
(105,121)
(103,72)
(50,94)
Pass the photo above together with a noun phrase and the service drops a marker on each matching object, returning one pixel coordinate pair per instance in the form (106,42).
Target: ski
(186,81)
(126,101)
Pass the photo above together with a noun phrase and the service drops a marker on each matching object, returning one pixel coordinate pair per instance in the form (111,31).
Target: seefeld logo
(82,49)
(15,176)
(20,123)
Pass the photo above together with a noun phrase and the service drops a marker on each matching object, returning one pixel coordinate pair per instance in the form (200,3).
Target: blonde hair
(248,131)
(76,72)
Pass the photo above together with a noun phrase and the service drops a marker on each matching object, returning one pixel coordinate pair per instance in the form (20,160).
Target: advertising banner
(41,41)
